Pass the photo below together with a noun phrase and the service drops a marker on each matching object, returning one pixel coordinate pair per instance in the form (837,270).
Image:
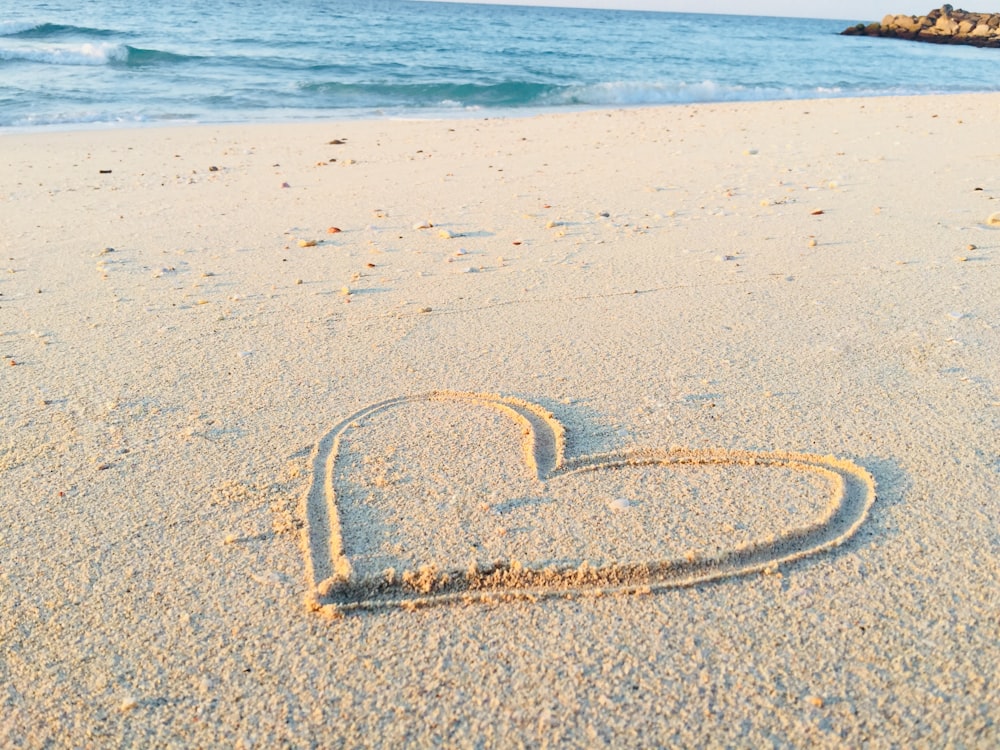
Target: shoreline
(192,362)
(444,115)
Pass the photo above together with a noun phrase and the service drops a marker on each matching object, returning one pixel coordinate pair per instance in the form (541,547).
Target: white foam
(102,53)
(635,93)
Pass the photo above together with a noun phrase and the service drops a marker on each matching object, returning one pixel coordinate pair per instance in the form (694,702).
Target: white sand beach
(207,540)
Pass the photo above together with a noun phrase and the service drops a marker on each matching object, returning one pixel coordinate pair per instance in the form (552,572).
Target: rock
(946,25)
(943,25)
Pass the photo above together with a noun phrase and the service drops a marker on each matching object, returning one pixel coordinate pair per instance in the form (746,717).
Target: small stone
(128,703)
(307,243)
(815,701)
(333,230)
(620,504)
(994,220)
(445,234)
(423,225)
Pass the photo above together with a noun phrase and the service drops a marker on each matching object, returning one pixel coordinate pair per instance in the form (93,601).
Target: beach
(195,322)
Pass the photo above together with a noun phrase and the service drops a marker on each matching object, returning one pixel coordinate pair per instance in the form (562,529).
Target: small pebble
(994,220)
(128,703)
(333,230)
(445,234)
(307,243)
(423,225)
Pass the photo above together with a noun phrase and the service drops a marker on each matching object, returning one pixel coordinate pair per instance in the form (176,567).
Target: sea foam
(88,53)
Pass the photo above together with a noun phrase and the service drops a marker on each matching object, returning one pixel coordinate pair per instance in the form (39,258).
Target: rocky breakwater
(946,25)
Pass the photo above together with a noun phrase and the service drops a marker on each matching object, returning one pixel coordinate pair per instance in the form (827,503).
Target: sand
(658,427)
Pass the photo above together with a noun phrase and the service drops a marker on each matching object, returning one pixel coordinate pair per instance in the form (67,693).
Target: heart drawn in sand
(451,497)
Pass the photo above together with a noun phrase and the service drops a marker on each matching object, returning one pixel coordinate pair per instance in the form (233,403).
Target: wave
(502,94)
(523,94)
(631,93)
(35,30)
(91,53)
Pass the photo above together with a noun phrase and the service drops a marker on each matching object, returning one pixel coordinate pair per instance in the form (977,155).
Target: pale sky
(860,10)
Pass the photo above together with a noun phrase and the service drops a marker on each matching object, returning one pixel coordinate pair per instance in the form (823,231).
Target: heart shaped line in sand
(336,587)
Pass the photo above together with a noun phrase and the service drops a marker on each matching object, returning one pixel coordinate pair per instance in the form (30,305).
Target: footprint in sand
(451,497)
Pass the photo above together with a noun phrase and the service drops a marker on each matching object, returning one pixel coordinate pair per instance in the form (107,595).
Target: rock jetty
(945,25)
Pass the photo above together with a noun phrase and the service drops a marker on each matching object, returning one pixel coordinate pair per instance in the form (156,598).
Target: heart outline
(334,589)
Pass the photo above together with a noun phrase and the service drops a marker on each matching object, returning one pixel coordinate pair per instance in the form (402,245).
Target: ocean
(80,63)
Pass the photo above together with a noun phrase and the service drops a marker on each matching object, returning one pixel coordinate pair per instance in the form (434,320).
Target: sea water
(67,63)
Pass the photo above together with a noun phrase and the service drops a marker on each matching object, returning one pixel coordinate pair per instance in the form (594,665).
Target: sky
(860,10)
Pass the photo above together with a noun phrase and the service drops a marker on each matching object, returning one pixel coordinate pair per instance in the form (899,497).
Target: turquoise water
(69,63)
